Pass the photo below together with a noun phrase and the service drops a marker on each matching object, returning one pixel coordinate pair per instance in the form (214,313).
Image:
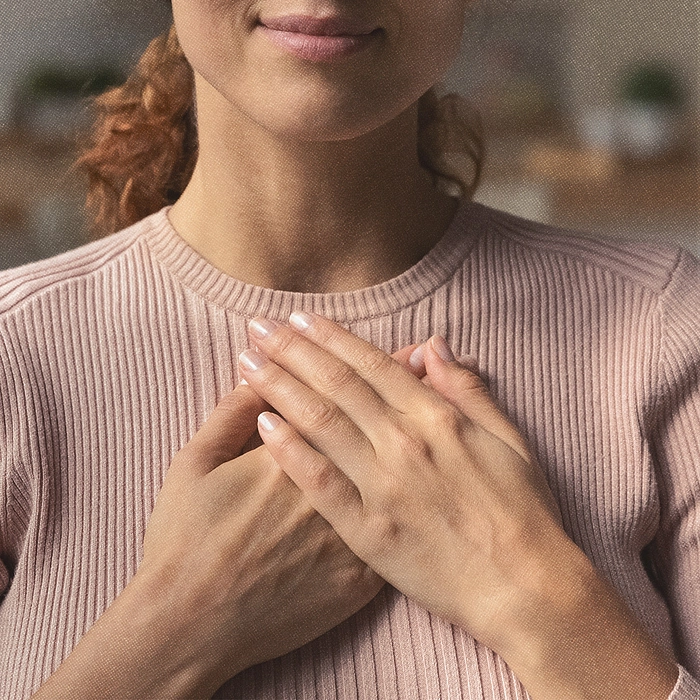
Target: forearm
(571,637)
(137,649)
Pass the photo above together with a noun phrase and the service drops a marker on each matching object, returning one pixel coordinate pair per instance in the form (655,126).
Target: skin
(222,585)
(431,484)
(331,149)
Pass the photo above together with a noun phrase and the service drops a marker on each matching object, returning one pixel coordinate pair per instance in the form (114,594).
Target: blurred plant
(51,102)
(51,81)
(651,84)
(648,120)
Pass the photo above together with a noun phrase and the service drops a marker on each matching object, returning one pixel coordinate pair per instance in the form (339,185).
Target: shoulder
(650,287)
(647,265)
(54,276)
(680,315)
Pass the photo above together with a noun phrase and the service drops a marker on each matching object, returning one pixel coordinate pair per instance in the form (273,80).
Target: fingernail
(442,348)
(300,320)
(268,421)
(252,360)
(261,327)
(417,358)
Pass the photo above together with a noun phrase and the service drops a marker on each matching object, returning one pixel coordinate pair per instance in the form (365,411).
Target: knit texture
(112,356)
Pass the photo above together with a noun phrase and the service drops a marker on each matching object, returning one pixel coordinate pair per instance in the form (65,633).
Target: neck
(309,216)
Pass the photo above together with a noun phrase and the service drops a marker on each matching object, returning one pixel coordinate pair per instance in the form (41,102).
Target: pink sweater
(113,354)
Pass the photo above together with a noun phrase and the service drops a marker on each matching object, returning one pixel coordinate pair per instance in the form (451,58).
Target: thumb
(466,390)
(226,431)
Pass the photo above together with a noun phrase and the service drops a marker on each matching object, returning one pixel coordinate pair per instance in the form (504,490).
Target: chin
(314,125)
(322,115)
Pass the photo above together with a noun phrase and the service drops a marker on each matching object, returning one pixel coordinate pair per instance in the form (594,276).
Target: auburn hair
(142,149)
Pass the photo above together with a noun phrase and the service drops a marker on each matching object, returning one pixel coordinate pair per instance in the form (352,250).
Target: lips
(319,26)
(319,39)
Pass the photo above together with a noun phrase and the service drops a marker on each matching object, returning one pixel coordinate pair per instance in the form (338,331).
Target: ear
(466,390)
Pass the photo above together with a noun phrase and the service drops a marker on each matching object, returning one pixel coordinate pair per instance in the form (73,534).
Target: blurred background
(591,111)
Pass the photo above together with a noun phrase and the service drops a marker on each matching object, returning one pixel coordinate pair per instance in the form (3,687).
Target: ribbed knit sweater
(112,355)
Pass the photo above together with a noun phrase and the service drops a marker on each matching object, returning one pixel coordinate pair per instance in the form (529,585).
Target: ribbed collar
(415,283)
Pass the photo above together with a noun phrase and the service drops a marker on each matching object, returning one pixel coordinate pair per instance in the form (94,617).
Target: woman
(398,531)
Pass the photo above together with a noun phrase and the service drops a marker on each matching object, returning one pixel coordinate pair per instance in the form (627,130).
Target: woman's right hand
(234,548)
(237,569)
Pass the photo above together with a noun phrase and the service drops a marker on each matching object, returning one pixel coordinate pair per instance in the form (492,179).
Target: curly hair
(143,147)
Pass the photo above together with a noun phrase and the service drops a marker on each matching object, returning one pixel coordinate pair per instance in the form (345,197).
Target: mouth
(320,39)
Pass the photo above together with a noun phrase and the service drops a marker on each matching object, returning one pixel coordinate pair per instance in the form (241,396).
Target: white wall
(71,31)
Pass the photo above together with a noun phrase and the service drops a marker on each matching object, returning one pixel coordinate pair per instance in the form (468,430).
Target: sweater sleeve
(15,493)
(675,550)
(5,437)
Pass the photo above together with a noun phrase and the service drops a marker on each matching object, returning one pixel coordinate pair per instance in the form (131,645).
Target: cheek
(212,33)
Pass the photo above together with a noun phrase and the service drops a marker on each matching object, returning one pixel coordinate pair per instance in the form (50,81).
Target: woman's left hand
(429,483)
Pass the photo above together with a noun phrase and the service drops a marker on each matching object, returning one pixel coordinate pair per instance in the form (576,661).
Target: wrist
(155,614)
(140,647)
(185,635)
(569,634)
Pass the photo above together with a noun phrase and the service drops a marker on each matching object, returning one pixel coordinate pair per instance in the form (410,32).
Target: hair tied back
(142,148)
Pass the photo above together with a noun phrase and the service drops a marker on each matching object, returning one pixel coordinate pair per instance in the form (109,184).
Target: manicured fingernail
(442,348)
(261,327)
(300,320)
(268,421)
(417,358)
(252,360)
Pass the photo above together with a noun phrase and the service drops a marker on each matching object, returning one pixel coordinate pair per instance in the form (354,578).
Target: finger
(403,357)
(329,377)
(416,361)
(225,432)
(466,390)
(320,421)
(325,486)
(396,386)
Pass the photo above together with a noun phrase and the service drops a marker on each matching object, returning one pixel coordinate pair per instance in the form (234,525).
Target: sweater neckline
(405,289)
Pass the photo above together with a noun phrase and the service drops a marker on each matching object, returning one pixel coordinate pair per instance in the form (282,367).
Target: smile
(318,39)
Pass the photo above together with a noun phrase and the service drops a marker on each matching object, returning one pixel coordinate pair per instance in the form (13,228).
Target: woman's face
(266,67)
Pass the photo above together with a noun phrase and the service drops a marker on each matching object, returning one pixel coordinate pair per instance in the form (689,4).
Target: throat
(314,252)
(342,273)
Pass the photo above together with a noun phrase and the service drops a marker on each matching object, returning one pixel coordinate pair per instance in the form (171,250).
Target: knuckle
(374,363)
(516,534)
(327,334)
(384,533)
(411,446)
(472,383)
(333,377)
(447,418)
(388,498)
(283,341)
(288,445)
(235,403)
(194,452)
(319,416)
(319,475)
